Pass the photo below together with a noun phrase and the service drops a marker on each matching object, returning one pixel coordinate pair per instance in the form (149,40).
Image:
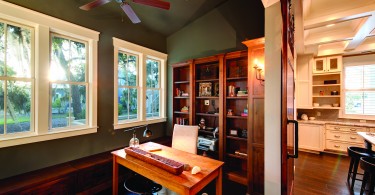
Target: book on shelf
(182,121)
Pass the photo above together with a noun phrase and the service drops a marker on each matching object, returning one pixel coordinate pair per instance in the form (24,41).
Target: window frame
(355,61)
(137,86)
(43,26)
(154,89)
(143,54)
(70,83)
(31,79)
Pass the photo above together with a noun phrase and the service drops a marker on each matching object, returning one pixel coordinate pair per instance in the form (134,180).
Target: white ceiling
(327,27)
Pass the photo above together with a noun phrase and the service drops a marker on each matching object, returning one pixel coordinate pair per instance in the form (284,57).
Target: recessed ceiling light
(329,25)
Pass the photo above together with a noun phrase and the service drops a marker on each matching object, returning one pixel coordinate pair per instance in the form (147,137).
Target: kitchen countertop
(337,122)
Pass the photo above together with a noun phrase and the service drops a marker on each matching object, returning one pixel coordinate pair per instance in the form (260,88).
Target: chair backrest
(367,164)
(185,138)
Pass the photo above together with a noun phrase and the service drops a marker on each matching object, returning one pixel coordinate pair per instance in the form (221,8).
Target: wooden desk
(185,183)
(369,139)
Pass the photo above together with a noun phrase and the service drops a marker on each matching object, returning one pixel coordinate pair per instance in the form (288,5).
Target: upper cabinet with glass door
(327,65)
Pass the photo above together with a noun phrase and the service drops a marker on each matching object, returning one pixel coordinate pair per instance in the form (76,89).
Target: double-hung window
(127,86)
(48,77)
(359,91)
(69,84)
(16,79)
(152,88)
(139,95)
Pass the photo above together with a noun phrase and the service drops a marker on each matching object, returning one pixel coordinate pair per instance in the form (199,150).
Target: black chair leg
(356,162)
(364,182)
(350,169)
(372,184)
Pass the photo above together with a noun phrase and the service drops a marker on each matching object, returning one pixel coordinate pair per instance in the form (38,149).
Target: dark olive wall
(23,158)
(219,31)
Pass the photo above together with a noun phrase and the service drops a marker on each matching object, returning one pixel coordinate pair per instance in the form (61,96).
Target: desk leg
(115,177)
(219,182)
(368,145)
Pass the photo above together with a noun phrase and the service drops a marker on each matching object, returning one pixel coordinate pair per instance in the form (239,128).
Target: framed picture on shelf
(205,89)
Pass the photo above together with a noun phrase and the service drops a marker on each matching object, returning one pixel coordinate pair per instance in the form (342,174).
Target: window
(68,77)
(360,90)
(48,77)
(127,86)
(16,81)
(153,88)
(139,95)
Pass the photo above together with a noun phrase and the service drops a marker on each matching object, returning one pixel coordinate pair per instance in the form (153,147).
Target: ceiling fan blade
(154,3)
(130,13)
(94,4)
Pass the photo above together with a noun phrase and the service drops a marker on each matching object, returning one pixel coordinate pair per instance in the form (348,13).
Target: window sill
(137,123)
(25,139)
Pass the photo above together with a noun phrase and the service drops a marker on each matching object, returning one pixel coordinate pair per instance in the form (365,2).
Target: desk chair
(184,138)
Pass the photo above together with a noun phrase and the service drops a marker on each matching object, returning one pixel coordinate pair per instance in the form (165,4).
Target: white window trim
(354,61)
(43,26)
(143,53)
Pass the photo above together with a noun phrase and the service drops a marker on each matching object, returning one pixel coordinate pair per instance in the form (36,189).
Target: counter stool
(355,153)
(368,165)
(141,185)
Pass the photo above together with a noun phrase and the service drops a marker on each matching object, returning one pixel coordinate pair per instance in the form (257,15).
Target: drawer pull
(337,128)
(351,137)
(353,129)
(337,146)
(337,136)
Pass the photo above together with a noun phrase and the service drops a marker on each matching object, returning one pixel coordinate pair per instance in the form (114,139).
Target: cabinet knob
(353,129)
(337,128)
(351,137)
(337,136)
(337,146)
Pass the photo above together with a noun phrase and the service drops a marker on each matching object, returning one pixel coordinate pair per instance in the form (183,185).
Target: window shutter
(360,90)
(354,77)
(369,77)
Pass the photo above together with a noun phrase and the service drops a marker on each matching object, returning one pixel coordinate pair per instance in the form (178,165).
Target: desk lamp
(134,142)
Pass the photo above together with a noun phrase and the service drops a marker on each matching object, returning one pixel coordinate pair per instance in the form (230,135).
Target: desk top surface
(370,137)
(207,165)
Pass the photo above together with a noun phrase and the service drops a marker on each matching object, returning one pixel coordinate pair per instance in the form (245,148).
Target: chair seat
(141,185)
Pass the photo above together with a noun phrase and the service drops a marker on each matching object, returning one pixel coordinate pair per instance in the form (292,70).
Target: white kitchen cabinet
(311,137)
(339,137)
(304,81)
(327,64)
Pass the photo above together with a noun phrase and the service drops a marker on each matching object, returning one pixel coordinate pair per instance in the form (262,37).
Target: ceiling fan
(126,7)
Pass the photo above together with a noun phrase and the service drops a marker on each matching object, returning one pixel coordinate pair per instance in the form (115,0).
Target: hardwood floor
(322,174)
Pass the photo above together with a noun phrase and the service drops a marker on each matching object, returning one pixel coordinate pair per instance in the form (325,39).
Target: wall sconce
(259,70)
(134,142)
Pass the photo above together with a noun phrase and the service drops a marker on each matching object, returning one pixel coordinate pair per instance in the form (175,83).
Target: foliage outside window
(139,83)
(68,82)
(360,90)
(16,81)
(153,88)
(127,86)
